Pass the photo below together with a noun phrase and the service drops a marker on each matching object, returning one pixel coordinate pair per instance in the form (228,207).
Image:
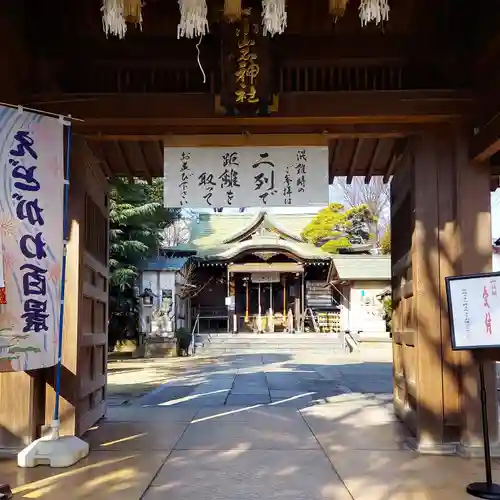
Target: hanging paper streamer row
(117,13)
(193,23)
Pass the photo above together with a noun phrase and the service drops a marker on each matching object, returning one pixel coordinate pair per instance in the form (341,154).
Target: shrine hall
(406,90)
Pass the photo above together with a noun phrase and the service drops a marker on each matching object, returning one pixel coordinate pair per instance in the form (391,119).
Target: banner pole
(56,423)
(22,108)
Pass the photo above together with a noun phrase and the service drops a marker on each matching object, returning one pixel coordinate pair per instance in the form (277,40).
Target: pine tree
(333,228)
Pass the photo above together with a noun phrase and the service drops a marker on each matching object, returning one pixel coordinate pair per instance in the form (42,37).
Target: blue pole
(63,270)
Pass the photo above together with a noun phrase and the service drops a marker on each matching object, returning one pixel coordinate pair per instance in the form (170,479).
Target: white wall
(365,312)
(496,262)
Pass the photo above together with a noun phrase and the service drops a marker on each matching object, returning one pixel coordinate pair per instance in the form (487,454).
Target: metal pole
(259,317)
(488,489)
(303,300)
(227,295)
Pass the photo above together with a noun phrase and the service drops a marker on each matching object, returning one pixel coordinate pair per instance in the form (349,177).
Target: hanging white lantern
(373,11)
(273,16)
(338,8)
(232,10)
(113,18)
(132,12)
(193,22)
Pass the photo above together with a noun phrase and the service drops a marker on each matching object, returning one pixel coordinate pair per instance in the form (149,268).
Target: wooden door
(92,356)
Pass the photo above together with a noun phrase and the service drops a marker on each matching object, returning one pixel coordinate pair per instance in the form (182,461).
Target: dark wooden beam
(374,160)
(97,150)
(136,161)
(154,157)
(486,141)
(354,160)
(121,165)
(145,114)
(401,148)
(334,146)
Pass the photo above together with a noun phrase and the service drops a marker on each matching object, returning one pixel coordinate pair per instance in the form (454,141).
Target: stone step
(311,335)
(278,347)
(272,340)
(202,351)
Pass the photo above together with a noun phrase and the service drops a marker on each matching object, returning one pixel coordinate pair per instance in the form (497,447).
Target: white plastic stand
(53,450)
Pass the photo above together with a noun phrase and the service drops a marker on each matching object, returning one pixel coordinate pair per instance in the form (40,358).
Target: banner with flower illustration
(31,230)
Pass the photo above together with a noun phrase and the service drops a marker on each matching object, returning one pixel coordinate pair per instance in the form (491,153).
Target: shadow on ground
(268,426)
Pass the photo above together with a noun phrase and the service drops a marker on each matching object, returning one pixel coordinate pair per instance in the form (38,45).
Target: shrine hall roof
(209,230)
(226,251)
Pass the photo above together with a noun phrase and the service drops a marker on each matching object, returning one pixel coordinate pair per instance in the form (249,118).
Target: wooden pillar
(474,216)
(451,236)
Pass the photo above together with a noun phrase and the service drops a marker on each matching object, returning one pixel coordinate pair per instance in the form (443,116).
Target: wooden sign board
(474,310)
(269,277)
(246,67)
(246,177)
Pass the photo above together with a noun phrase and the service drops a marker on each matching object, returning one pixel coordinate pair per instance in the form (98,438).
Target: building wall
(364,312)
(495,261)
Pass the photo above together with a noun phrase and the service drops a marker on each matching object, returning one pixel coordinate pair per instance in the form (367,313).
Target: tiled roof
(357,267)
(164,264)
(216,229)
(229,250)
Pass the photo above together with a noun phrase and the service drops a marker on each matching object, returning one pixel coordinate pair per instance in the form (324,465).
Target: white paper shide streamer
(273,16)
(113,19)
(373,11)
(193,22)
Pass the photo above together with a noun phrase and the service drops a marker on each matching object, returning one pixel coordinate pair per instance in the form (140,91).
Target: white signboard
(474,308)
(246,177)
(31,225)
(269,277)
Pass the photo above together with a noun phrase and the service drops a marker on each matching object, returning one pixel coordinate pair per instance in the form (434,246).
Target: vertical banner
(31,232)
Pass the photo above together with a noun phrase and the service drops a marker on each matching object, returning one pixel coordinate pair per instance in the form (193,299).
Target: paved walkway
(252,427)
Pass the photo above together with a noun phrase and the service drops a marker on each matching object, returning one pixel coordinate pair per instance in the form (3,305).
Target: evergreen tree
(137,221)
(333,228)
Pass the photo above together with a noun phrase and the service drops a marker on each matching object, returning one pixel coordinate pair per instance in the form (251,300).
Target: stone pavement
(306,427)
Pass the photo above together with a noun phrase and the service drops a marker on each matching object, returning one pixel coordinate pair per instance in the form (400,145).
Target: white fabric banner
(31,226)
(246,177)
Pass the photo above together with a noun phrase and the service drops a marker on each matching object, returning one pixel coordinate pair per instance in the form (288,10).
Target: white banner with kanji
(31,228)
(246,177)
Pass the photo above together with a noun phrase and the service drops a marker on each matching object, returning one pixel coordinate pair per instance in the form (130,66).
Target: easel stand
(488,489)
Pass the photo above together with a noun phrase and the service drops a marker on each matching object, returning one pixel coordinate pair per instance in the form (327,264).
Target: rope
(199,61)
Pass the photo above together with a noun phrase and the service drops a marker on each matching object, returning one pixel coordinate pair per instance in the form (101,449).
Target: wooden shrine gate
(384,101)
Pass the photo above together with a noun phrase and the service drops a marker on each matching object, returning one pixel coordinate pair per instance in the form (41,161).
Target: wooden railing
(342,76)
(132,77)
(138,77)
